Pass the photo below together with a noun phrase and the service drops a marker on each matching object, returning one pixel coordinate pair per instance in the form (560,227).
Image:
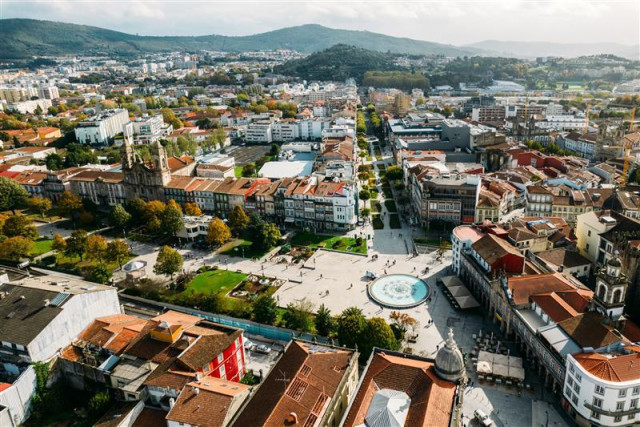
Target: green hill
(338,63)
(23,38)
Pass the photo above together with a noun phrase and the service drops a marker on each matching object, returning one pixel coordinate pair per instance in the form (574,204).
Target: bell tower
(611,288)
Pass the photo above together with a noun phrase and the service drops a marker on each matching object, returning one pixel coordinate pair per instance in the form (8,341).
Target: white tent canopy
(388,408)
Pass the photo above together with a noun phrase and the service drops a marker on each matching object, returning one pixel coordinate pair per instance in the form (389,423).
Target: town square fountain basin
(398,291)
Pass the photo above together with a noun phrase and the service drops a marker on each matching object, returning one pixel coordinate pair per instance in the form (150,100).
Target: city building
(101,128)
(311,384)
(148,129)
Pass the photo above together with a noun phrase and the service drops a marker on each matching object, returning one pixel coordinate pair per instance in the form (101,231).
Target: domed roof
(449,361)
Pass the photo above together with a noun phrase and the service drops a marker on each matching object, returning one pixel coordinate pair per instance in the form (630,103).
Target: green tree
(12,195)
(299,315)
(137,208)
(394,172)
(324,321)
(267,236)
(172,220)
(238,220)
(19,225)
(98,404)
(15,248)
(192,209)
(275,149)
(77,243)
(117,251)
(218,232)
(377,333)
(54,162)
(169,262)
(248,170)
(96,247)
(170,117)
(98,273)
(351,324)
(265,309)
(119,217)
(364,195)
(39,204)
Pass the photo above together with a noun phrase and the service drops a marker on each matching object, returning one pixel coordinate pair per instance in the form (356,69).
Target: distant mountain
(23,38)
(337,63)
(567,50)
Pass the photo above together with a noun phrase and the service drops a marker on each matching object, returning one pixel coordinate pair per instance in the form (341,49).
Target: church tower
(145,180)
(611,288)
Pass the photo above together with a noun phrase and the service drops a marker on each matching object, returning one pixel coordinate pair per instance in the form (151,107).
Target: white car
(483,418)
(263,348)
(248,344)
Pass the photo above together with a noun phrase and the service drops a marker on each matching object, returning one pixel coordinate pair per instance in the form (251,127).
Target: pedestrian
(437,347)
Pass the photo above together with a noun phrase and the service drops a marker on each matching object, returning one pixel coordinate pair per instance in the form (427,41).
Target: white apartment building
(17,94)
(285,131)
(48,92)
(148,129)
(101,128)
(25,107)
(603,386)
(462,237)
(259,132)
(312,128)
(563,123)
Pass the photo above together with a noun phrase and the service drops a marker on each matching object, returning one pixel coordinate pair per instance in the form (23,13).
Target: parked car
(263,348)
(248,344)
(482,418)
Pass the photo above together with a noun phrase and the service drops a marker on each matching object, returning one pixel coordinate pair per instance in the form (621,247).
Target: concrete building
(29,106)
(148,129)
(102,128)
(259,133)
(462,237)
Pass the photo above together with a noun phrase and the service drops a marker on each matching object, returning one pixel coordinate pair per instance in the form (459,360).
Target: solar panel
(59,299)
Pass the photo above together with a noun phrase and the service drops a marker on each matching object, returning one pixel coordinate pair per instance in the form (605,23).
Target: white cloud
(455,21)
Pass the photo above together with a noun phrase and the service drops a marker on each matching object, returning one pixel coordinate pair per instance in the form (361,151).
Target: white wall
(16,398)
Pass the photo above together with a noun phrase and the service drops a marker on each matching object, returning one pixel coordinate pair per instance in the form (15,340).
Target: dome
(449,361)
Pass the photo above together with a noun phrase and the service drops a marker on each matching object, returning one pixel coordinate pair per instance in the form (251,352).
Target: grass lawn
(73,265)
(377,222)
(379,158)
(369,158)
(238,171)
(377,206)
(215,281)
(394,221)
(433,242)
(249,251)
(41,246)
(338,243)
(391,206)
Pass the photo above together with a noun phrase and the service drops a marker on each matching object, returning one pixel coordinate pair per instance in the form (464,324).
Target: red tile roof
(616,369)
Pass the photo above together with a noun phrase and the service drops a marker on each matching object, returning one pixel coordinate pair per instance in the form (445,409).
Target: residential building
(462,237)
(29,106)
(259,133)
(495,113)
(102,128)
(311,384)
(149,129)
(102,188)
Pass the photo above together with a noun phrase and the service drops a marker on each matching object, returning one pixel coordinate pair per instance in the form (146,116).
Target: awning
(451,281)
(516,373)
(467,301)
(500,370)
(459,291)
(484,367)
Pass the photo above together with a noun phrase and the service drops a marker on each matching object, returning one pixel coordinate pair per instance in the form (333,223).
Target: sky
(453,22)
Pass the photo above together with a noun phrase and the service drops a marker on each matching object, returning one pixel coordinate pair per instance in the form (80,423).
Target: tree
(12,195)
(119,217)
(351,324)
(117,251)
(152,216)
(15,248)
(364,195)
(96,247)
(172,220)
(238,220)
(169,261)
(401,323)
(394,172)
(19,225)
(77,243)
(324,321)
(248,170)
(137,208)
(98,273)
(275,150)
(192,209)
(377,333)
(298,315)
(98,404)
(267,236)
(218,232)
(265,309)
(69,203)
(39,204)
(59,244)
(170,117)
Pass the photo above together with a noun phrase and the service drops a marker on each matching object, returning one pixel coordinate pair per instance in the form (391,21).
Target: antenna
(284,379)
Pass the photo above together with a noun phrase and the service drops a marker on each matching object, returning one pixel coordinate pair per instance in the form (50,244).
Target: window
(633,404)
(572,369)
(570,381)
(631,416)
(567,391)
(595,415)
(578,377)
(597,402)
(599,389)
(622,392)
(636,390)
(587,246)
(589,233)
(620,406)
(576,387)
(617,419)
(574,399)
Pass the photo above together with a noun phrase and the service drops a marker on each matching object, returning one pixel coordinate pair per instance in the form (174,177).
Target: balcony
(608,413)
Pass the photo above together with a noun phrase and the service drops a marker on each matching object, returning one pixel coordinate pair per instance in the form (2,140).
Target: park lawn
(433,242)
(41,246)
(369,158)
(337,243)
(249,250)
(215,281)
(238,171)
(394,221)
(73,265)
(391,206)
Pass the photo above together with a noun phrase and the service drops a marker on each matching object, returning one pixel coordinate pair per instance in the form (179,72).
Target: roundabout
(398,291)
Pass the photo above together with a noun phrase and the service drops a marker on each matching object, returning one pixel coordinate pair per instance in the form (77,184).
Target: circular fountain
(398,291)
